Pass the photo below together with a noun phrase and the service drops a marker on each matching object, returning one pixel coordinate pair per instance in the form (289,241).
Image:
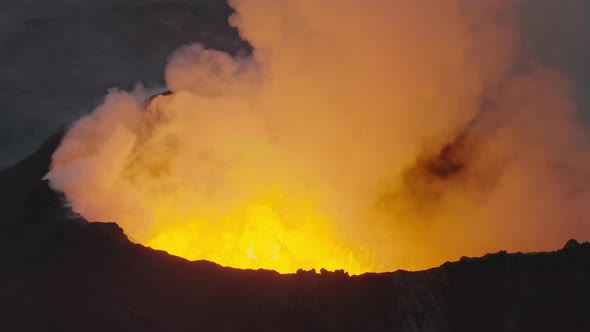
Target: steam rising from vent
(363,135)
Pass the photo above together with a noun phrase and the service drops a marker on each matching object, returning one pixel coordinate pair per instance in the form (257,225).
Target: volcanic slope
(62,273)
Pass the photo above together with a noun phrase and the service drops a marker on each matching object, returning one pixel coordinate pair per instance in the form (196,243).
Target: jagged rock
(571,245)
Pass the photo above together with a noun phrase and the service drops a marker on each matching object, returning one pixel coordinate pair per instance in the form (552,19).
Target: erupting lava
(261,239)
(189,199)
(358,135)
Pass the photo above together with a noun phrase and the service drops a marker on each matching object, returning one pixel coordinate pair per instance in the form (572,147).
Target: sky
(58,60)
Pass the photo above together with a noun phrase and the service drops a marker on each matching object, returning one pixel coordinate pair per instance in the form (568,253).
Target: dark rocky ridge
(61,273)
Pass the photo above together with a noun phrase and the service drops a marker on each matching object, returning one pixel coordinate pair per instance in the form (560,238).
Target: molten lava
(263,237)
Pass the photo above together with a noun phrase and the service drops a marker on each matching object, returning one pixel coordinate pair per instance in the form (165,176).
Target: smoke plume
(377,134)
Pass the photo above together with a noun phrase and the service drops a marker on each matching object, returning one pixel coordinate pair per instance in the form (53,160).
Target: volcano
(309,150)
(60,272)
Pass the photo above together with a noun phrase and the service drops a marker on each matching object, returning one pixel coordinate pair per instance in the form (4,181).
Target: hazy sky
(58,59)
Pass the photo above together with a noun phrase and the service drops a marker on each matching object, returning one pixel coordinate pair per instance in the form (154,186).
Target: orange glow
(359,135)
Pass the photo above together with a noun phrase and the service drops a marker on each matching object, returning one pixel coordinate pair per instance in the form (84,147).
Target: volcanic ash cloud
(364,135)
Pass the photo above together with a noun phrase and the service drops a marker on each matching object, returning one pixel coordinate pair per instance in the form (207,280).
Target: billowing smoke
(365,135)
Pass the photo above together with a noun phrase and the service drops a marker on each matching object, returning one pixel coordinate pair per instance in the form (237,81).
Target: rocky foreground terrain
(59,272)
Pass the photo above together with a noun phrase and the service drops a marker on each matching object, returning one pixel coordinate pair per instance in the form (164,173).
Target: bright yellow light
(263,236)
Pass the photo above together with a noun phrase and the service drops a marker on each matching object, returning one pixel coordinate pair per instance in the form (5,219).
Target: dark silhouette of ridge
(61,273)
